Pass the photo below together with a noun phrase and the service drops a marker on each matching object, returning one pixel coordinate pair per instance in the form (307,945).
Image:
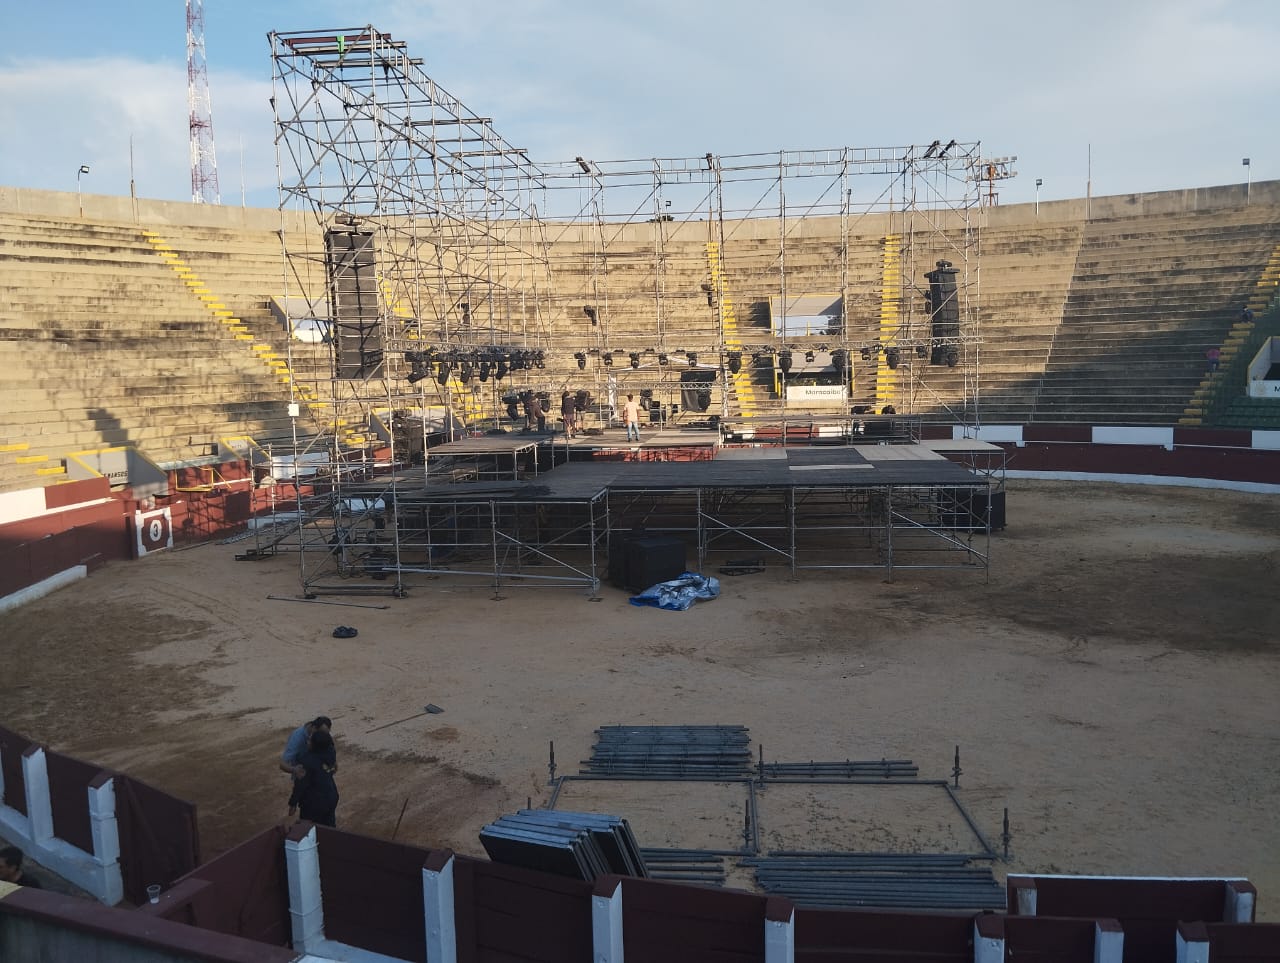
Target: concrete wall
(105,207)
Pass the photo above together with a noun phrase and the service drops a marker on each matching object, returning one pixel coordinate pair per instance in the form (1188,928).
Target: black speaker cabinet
(638,560)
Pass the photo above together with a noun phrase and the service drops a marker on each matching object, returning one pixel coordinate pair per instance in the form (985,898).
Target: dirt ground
(1112,682)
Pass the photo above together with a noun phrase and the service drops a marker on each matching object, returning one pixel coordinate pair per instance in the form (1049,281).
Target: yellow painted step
(31,459)
(59,470)
(17,446)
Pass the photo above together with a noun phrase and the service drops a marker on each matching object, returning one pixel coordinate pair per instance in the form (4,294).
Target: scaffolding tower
(452,276)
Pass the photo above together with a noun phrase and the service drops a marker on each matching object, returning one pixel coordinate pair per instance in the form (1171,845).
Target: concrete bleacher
(1150,294)
(103,344)
(153,327)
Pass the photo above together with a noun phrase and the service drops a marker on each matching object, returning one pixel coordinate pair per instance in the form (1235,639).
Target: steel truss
(496,275)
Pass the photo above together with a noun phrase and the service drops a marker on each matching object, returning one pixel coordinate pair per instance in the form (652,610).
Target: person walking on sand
(631,418)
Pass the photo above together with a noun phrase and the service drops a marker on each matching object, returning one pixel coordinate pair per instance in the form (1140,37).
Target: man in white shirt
(631,418)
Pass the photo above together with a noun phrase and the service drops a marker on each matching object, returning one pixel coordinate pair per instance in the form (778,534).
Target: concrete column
(606,920)
(988,939)
(302,860)
(35,773)
(1242,899)
(1108,942)
(1024,892)
(438,908)
(102,820)
(1192,943)
(779,931)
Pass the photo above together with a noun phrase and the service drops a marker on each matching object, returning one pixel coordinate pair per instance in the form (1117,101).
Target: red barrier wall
(1046,939)
(829,936)
(662,923)
(1148,909)
(506,914)
(159,841)
(69,781)
(1244,942)
(13,746)
(372,892)
(244,892)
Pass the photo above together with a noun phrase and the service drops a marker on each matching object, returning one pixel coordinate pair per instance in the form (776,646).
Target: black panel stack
(944,309)
(353,300)
(579,845)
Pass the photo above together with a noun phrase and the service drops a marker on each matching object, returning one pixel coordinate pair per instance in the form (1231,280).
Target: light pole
(1248,184)
(1039,181)
(84,169)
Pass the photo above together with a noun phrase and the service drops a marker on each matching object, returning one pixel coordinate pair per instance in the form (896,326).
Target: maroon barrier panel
(159,841)
(665,923)
(69,781)
(35,549)
(12,748)
(1244,942)
(1148,909)
(855,936)
(372,893)
(506,914)
(244,892)
(1049,939)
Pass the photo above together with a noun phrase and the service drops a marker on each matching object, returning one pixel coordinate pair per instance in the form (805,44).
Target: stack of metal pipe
(670,752)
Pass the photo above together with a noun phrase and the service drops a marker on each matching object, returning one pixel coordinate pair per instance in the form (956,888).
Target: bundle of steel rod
(685,865)
(579,845)
(882,769)
(914,880)
(670,752)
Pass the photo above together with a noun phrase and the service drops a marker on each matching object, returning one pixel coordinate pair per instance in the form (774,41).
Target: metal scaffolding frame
(494,276)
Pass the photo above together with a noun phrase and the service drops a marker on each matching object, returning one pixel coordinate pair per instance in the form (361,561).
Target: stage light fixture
(866,354)
(500,371)
(540,359)
(485,370)
(591,313)
(663,360)
(417,374)
(635,359)
(953,358)
(443,376)
(581,358)
(692,358)
(586,167)
(839,359)
(893,358)
(784,361)
(607,358)
(465,372)
(466,312)
(921,351)
(735,362)
(808,357)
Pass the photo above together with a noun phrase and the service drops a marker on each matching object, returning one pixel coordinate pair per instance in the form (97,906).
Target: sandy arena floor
(1113,683)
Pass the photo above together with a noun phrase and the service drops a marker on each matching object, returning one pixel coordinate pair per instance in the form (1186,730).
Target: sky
(1139,95)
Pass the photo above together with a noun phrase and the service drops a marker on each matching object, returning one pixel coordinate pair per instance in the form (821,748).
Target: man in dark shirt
(11,868)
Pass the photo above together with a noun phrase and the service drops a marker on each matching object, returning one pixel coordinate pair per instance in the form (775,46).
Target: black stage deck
(742,468)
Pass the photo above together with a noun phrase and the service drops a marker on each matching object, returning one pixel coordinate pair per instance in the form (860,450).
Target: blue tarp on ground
(680,593)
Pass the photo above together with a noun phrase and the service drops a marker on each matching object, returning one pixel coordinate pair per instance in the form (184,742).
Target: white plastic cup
(153,892)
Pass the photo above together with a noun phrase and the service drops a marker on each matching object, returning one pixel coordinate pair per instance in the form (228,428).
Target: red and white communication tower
(204,163)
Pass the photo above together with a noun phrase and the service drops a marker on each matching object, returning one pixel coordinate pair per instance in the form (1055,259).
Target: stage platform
(846,466)
(886,507)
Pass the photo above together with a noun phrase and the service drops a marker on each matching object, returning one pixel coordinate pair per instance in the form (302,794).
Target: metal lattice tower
(204,164)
